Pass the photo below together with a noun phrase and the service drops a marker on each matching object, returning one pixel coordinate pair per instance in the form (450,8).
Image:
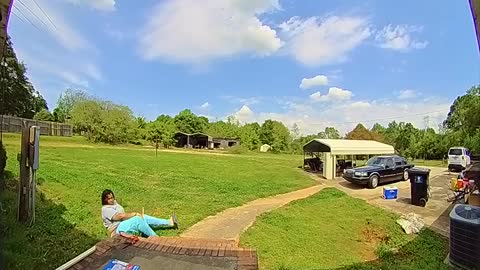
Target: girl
(117,221)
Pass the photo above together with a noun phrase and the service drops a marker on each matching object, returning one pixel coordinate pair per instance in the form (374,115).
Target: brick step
(195,247)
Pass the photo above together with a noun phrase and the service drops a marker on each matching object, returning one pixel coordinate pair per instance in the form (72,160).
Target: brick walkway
(197,253)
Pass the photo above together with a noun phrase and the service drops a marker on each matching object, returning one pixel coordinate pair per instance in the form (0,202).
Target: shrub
(238,149)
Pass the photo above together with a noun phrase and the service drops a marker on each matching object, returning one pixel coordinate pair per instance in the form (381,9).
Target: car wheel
(373,181)
(405,175)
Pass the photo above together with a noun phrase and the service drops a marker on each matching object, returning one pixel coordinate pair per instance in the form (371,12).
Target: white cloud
(242,100)
(60,66)
(104,5)
(64,33)
(205,105)
(407,94)
(315,81)
(192,31)
(93,71)
(334,94)
(400,38)
(360,105)
(72,78)
(245,114)
(315,41)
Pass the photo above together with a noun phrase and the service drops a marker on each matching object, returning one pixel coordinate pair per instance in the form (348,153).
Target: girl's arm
(124,216)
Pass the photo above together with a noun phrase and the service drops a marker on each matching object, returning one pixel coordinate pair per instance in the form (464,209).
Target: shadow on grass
(49,243)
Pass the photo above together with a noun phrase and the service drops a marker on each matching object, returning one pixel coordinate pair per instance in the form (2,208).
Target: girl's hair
(105,194)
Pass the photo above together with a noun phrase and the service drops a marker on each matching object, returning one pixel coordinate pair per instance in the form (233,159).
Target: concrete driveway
(436,211)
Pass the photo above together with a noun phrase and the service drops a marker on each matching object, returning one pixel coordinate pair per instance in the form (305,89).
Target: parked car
(458,158)
(378,170)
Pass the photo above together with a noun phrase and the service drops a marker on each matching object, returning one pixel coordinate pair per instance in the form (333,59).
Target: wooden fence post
(24,203)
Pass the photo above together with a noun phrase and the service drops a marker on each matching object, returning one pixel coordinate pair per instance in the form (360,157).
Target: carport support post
(329,166)
(303,160)
(334,161)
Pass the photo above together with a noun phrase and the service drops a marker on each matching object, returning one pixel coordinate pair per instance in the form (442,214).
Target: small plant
(384,251)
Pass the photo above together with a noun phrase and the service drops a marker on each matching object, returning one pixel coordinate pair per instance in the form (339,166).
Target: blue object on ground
(390,193)
(119,265)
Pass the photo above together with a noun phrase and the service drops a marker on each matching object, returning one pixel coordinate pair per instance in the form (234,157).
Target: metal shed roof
(348,147)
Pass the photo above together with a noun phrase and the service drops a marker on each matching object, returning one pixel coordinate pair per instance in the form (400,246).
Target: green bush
(3,159)
(238,149)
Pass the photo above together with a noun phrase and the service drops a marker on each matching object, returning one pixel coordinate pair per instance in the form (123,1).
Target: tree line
(104,121)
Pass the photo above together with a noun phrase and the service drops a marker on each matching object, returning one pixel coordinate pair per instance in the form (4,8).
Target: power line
(33,13)
(46,14)
(20,18)
(26,18)
(387,118)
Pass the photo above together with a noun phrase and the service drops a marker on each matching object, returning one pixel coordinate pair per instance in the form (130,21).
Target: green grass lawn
(73,173)
(332,230)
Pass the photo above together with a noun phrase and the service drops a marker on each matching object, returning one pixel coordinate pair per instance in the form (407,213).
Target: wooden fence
(14,125)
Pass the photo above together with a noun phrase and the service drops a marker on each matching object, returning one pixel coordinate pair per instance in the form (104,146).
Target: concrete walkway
(230,223)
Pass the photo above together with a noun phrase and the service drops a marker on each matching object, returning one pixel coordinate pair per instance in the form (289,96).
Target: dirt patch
(371,237)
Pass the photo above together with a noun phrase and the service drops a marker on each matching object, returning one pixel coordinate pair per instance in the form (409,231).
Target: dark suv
(378,170)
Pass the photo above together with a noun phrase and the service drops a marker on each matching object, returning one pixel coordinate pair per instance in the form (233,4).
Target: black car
(379,169)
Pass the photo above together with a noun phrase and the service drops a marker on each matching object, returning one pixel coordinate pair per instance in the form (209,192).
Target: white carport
(329,149)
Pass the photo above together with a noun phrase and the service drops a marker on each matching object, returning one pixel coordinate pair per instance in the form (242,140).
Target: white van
(458,158)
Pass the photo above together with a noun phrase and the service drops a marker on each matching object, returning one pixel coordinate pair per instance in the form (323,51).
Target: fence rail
(14,125)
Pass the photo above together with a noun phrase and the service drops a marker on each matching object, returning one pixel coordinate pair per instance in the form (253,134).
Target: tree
(295,131)
(187,122)
(103,121)
(297,144)
(43,115)
(229,129)
(463,118)
(19,97)
(360,132)
(161,131)
(141,127)
(378,128)
(118,124)
(329,133)
(332,133)
(249,136)
(276,135)
(67,101)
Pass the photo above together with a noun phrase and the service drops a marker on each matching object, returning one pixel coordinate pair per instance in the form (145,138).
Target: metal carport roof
(348,147)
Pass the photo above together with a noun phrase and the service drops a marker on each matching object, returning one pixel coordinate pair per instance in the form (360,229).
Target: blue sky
(313,63)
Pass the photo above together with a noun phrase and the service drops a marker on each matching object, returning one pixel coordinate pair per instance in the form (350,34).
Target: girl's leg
(157,222)
(135,224)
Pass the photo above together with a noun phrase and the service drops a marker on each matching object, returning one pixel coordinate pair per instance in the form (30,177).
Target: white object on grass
(411,223)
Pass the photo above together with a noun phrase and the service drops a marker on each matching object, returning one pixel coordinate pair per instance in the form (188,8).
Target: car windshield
(455,152)
(376,161)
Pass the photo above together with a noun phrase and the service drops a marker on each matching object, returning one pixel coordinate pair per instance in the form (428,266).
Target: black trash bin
(419,181)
